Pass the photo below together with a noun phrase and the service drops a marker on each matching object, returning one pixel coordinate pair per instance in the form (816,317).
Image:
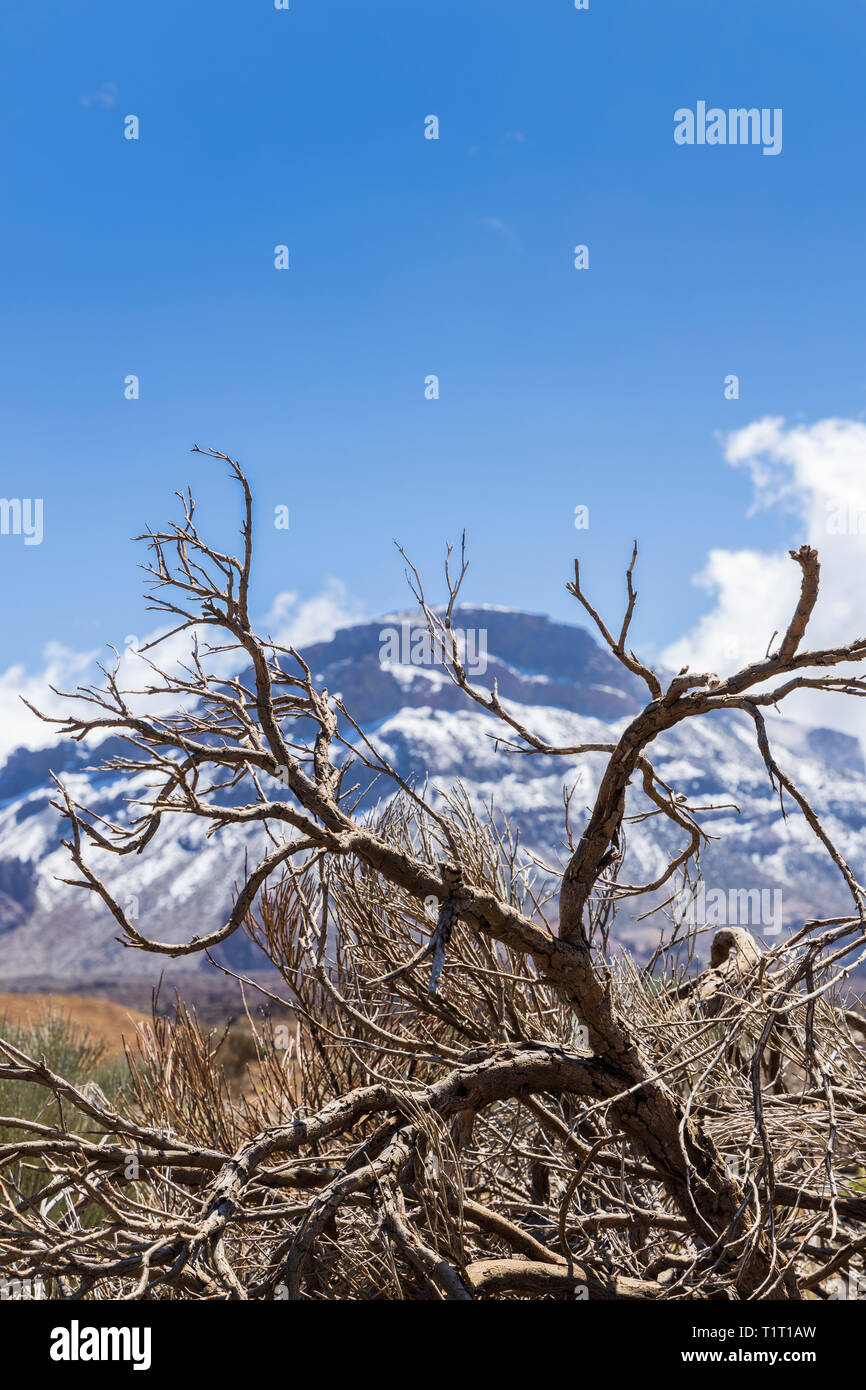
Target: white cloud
(292,621)
(105,96)
(19,728)
(816,474)
(502,229)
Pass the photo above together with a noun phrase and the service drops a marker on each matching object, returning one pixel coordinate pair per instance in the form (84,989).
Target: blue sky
(409,257)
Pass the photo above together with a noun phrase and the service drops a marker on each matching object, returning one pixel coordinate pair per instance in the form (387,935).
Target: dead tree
(482,1102)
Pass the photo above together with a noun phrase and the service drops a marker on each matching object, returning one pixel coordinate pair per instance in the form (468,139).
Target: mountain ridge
(558,680)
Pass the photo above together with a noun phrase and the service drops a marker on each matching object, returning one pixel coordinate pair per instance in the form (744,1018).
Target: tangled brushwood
(481,1098)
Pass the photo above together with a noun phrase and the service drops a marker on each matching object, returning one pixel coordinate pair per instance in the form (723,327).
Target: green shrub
(68,1052)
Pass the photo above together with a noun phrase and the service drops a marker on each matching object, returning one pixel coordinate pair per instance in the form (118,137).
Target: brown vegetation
(483,1101)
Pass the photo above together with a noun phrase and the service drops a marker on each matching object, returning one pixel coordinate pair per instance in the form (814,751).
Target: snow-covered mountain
(558,680)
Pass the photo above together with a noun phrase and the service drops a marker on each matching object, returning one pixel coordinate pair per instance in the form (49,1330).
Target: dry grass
(105,1022)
